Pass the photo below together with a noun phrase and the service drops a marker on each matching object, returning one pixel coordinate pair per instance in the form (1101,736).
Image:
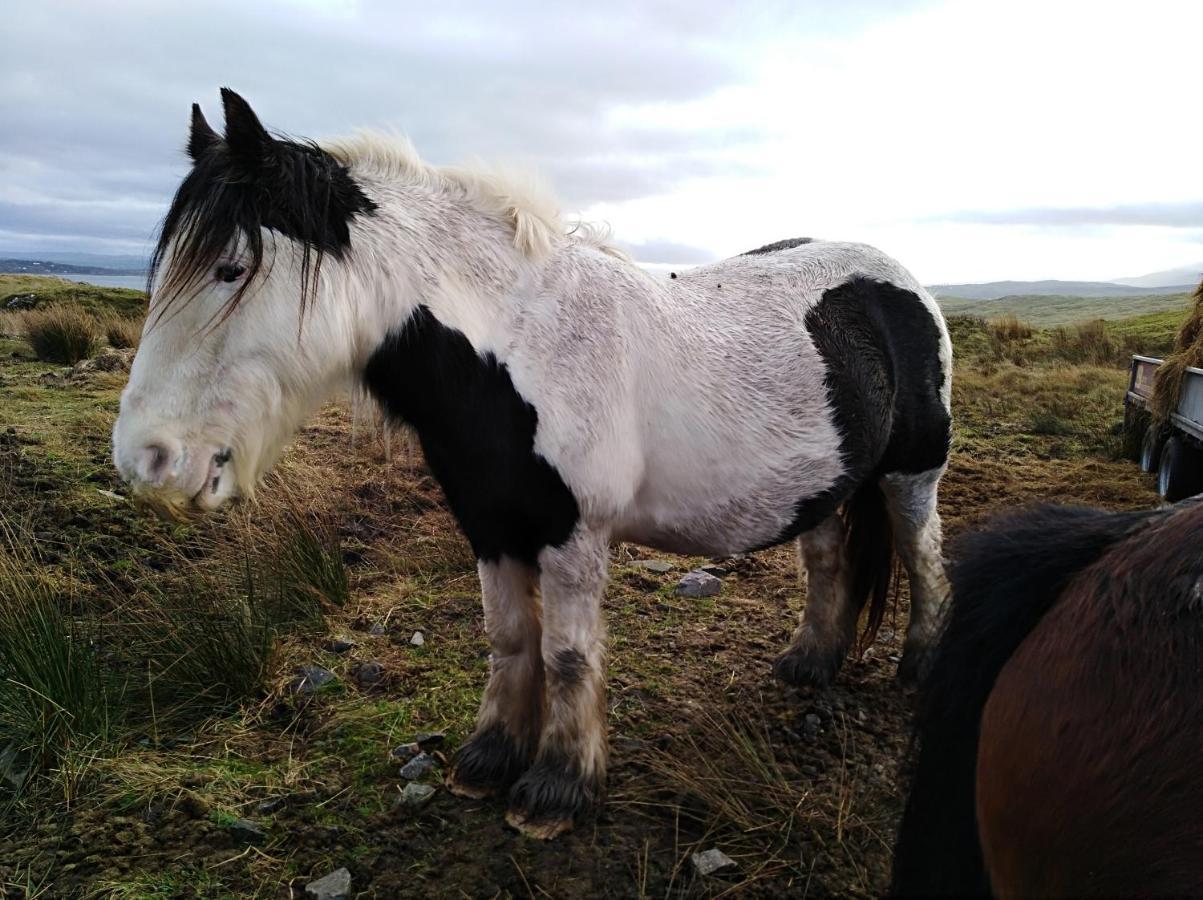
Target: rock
(811,726)
(418,639)
(247,831)
(335,886)
(108,360)
(405,752)
(271,805)
(415,795)
(21,301)
(338,645)
(377,629)
(653,565)
(310,679)
(430,739)
(698,584)
(369,674)
(710,861)
(417,767)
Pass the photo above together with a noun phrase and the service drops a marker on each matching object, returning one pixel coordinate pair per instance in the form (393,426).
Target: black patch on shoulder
(569,666)
(881,349)
(787,244)
(478,436)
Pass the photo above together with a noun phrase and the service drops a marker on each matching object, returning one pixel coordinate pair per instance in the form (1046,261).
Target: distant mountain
(121,262)
(1183,275)
(46,267)
(993,290)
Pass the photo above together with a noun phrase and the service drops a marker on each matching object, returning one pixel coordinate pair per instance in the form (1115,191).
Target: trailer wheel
(1180,474)
(1136,425)
(1150,449)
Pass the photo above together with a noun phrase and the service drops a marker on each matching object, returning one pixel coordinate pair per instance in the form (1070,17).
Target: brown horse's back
(1090,760)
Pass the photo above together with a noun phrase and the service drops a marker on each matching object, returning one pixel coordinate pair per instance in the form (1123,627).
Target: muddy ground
(799,788)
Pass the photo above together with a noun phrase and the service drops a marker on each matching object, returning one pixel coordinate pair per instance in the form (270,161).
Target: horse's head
(237,348)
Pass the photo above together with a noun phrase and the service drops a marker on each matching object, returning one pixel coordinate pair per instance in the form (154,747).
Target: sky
(972,140)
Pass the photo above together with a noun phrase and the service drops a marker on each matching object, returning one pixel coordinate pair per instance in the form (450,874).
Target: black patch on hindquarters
(491,760)
(880,347)
(478,437)
(787,244)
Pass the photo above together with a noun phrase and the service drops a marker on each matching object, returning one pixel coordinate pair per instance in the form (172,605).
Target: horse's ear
(202,137)
(245,135)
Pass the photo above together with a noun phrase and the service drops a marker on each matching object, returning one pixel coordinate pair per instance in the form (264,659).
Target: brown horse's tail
(1004,579)
(869,541)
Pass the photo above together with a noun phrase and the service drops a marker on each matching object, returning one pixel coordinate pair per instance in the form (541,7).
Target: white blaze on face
(211,402)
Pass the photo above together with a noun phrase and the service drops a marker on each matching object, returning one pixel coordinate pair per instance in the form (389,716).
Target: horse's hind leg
(510,717)
(828,624)
(911,502)
(569,769)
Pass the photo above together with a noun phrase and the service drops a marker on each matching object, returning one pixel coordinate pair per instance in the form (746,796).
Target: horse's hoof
(807,668)
(543,830)
(487,764)
(548,798)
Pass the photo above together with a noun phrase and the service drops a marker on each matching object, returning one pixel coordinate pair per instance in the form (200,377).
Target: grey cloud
(667,252)
(103,117)
(1171,215)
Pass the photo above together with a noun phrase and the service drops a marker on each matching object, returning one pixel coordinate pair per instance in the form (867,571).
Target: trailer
(1174,448)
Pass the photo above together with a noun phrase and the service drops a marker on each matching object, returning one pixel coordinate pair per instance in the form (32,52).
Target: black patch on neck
(787,244)
(478,436)
(295,189)
(881,348)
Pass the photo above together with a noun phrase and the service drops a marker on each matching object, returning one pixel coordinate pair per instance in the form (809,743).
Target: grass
(90,298)
(196,631)
(1050,311)
(62,334)
(122,332)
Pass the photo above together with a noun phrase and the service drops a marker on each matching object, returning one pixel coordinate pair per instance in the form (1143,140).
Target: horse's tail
(1004,580)
(870,544)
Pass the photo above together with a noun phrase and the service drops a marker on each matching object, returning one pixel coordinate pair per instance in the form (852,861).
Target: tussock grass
(62,334)
(1187,353)
(1010,328)
(122,332)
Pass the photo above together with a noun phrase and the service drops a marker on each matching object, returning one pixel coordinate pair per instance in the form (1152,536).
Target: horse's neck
(423,250)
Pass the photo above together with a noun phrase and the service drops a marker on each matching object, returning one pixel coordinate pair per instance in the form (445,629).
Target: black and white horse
(564,399)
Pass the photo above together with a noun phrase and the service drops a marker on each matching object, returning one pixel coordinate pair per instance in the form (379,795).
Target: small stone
(405,752)
(310,679)
(377,629)
(811,726)
(267,807)
(698,584)
(247,831)
(335,886)
(338,645)
(417,767)
(711,861)
(653,565)
(415,795)
(713,569)
(418,639)
(427,740)
(369,674)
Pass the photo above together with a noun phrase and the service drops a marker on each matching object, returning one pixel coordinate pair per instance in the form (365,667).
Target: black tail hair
(1005,578)
(869,540)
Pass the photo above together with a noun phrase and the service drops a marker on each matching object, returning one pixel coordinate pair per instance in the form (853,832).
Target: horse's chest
(477,434)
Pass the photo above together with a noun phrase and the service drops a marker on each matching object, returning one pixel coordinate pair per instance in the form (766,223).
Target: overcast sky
(973,140)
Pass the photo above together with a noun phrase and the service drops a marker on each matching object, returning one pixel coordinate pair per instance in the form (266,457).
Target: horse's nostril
(153,463)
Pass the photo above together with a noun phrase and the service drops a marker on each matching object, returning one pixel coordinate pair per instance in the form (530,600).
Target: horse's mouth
(215,490)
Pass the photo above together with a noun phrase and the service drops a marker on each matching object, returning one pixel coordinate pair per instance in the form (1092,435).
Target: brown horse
(1060,728)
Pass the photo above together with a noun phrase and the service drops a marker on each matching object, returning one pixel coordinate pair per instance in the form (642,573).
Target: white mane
(521,198)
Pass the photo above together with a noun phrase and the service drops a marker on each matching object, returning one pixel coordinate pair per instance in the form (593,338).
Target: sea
(137,282)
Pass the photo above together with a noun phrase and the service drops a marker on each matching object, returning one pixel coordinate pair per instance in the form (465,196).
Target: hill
(1047,310)
(1181,275)
(46,267)
(995,290)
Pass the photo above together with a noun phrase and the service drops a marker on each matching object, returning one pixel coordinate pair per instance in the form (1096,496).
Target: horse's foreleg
(569,770)
(828,624)
(911,502)
(511,713)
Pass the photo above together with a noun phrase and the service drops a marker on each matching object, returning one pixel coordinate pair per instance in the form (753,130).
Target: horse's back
(1088,777)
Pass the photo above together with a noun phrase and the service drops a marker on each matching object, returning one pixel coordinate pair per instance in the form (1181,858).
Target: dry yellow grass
(1188,353)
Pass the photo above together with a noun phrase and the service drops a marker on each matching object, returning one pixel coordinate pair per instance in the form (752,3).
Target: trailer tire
(1180,474)
(1150,449)
(1136,425)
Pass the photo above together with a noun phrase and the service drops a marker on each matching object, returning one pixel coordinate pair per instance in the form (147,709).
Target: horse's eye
(228,272)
